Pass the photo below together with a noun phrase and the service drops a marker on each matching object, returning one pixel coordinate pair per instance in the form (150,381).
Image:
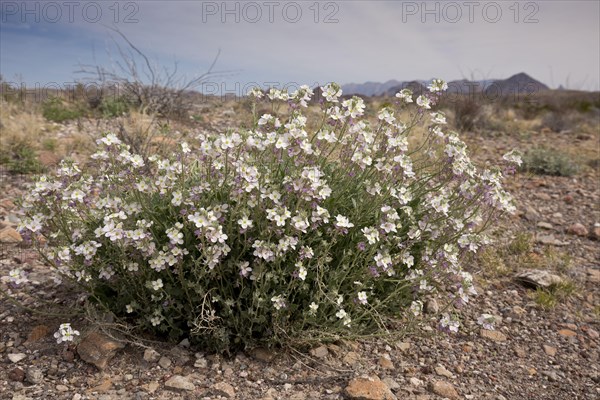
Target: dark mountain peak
(516,84)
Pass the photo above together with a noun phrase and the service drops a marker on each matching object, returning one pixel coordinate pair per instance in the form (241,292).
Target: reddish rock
(17,375)
(98,349)
(319,352)
(444,389)
(577,229)
(595,234)
(549,350)
(521,353)
(568,199)
(10,235)
(593,334)
(386,363)
(496,336)
(368,389)
(567,333)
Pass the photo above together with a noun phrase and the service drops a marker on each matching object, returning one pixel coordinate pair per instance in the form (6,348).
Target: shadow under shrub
(273,234)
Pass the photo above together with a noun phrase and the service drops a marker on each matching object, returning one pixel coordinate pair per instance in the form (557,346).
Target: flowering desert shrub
(291,229)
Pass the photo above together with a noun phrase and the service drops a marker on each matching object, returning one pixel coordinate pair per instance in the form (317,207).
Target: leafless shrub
(149,87)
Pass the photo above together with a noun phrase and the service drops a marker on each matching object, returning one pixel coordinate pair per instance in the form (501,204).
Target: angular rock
(593,275)
(223,389)
(538,278)
(496,336)
(98,349)
(16,357)
(179,382)
(101,387)
(442,371)
(386,363)
(351,358)
(151,387)
(577,229)
(319,352)
(444,389)
(403,346)
(545,225)
(549,350)
(567,333)
(368,389)
(549,240)
(530,214)
(34,375)
(431,306)
(593,334)
(62,388)
(151,355)
(10,235)
(520,352)
(595,233)
(391,383)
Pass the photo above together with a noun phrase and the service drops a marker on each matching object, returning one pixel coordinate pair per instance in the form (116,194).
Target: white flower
(342,222)
(256,92)
(156,285)
(278,302)
(341,314)
(177,199)
(513,157)
(424,102)
(110,139)
(355,106)
(405,95)
(129,308)
(132,267)
(245,269)
(137,161)
(486,321)
(331,92)
(65,333)
(437,85)
(313,307)
(371,234)
(438,118)
(245,222)
(185,148)
(416,307)
(387,114)
(77,195)
(17,276)
(302,272)
(362,297)
(449,323)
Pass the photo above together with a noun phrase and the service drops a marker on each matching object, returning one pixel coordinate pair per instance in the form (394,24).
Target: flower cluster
(65,333)
(287,227)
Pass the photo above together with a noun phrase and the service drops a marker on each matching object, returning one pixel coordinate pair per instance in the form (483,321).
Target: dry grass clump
(22,132)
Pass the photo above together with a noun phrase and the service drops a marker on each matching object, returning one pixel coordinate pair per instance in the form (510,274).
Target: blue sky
(281,42)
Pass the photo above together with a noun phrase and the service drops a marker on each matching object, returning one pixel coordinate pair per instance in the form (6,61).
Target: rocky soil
(534,353)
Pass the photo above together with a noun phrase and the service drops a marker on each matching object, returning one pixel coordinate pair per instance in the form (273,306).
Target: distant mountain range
(517,84)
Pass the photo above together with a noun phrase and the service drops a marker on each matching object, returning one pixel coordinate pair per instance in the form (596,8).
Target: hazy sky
(556,42)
